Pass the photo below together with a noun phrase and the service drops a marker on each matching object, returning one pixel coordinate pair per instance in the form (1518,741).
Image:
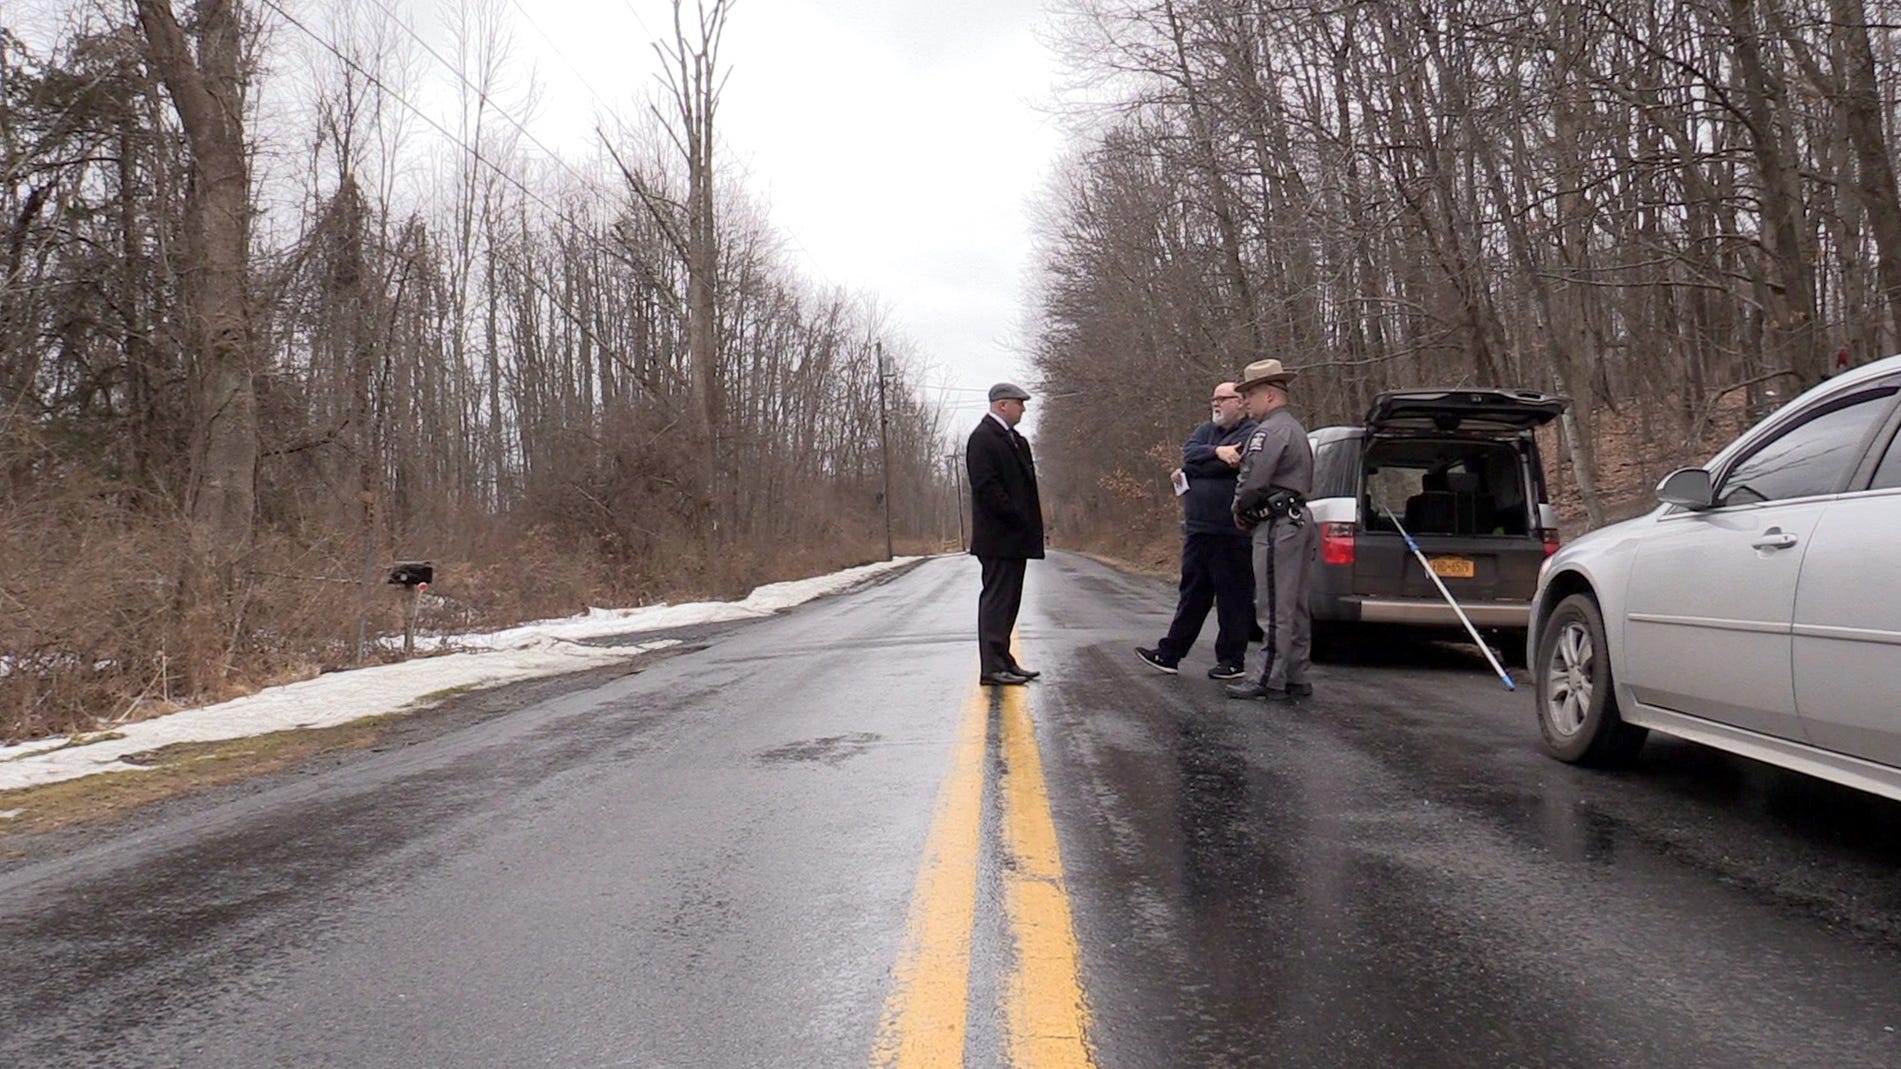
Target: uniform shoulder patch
(1257,440)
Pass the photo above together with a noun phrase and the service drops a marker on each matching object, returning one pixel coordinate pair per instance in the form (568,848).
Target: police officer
(1277,474)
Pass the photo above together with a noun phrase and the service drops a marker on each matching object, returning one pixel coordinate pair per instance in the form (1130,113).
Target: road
(814,841)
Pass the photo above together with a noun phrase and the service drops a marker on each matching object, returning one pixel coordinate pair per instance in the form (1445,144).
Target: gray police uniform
(1278,457)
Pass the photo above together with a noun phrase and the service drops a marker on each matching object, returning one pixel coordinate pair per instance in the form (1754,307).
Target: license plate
(1453,567)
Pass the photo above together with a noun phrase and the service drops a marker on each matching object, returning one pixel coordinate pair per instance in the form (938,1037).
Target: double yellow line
(1046,1012)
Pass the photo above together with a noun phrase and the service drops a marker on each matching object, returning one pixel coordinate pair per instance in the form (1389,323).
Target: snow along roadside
(545,647)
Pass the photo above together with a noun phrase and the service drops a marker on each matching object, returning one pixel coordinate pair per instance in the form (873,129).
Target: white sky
(897,144)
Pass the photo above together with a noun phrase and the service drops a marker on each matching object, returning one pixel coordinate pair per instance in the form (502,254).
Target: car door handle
(1775,538)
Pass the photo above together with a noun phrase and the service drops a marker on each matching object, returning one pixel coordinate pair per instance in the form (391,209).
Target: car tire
(1577,705)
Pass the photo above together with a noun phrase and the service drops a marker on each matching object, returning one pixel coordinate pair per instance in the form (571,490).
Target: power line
(562,56)
(638,21)
(475,152)
(470,86)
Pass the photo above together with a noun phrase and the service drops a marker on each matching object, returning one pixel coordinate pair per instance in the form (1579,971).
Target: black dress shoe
(1004,678)
(1017,669)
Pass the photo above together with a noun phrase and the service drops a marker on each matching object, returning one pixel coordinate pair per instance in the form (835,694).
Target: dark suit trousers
(1217,572)
(997,611)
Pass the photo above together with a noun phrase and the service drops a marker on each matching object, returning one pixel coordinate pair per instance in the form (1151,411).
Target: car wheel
(1577,707)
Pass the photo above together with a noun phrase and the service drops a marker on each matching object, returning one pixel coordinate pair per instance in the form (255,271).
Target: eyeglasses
(1220,397)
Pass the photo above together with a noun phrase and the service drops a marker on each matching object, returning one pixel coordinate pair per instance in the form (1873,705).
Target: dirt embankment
(1637,445)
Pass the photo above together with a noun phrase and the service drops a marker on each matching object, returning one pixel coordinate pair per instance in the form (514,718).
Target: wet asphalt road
(712,862)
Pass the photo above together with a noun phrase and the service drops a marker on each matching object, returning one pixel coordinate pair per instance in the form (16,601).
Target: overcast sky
(897,144)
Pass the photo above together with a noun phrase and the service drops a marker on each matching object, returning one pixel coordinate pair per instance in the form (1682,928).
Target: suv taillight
(1336,543)
(1550,536)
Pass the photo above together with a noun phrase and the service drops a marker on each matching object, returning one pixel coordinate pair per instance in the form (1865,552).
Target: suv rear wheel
(1577,708)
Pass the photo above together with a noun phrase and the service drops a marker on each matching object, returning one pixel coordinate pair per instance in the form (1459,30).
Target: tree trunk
(208,93)
(1862,112)
(1789,286)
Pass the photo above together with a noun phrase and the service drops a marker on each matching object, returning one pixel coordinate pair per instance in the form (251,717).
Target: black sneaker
(1227,671)
(1155,660)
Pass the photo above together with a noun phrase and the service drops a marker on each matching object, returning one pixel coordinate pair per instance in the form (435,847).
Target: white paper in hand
(1179,480)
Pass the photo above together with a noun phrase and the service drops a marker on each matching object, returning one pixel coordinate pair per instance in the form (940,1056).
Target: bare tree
(206,77)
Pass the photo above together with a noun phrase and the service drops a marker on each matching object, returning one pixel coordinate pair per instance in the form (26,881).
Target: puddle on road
(833,750)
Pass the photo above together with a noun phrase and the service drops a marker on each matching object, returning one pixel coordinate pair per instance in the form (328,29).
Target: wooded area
(244,366)
(1676,212)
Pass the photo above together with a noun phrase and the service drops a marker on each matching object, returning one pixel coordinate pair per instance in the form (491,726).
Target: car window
(1811,457)
(1888,473)
(1336,467)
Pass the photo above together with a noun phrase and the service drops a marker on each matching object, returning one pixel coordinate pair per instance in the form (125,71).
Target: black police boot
(1246,691)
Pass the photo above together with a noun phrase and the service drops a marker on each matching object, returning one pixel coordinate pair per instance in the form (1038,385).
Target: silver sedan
(1757,609)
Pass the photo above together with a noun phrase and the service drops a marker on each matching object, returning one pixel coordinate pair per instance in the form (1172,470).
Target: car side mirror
(1688,487)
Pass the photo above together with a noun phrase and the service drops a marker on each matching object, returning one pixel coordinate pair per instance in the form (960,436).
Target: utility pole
(884,449)
(957,474)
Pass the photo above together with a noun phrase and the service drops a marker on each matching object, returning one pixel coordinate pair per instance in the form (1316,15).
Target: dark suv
(1460,469)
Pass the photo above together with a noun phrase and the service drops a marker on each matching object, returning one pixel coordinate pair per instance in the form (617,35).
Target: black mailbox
(412,573)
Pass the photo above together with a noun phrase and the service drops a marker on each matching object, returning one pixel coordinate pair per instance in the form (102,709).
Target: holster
(1279,505)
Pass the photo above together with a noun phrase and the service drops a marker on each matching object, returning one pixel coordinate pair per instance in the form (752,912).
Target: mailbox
(417,574)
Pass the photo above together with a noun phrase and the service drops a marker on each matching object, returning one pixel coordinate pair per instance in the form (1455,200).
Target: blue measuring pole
(1503,676)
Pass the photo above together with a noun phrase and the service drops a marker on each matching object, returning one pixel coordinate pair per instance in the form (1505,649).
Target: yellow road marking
(1047,1013)
(926,1014)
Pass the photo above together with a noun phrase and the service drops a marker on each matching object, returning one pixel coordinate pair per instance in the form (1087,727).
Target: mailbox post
(414,576)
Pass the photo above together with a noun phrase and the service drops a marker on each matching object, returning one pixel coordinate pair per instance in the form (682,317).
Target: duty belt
(1280,505)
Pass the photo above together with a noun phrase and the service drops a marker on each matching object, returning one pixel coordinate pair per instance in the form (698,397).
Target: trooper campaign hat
(1008,391)
(1264,373)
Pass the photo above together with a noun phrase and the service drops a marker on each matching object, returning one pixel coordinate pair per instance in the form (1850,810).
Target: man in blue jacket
(1216,568)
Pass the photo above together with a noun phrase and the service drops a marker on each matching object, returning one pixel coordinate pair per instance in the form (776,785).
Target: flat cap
(1008,391)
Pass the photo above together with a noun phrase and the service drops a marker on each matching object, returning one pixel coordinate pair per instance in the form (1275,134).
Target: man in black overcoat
(1006,529)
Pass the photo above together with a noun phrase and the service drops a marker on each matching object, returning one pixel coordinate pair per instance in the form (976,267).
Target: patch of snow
(604,623)
(546,647)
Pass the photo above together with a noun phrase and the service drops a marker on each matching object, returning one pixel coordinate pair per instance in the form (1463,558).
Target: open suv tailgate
(1463,410)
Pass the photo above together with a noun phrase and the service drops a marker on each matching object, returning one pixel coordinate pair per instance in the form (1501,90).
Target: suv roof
(1466,409)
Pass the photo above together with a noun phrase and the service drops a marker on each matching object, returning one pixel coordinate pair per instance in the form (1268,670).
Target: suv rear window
(1337,468)
(1445,487)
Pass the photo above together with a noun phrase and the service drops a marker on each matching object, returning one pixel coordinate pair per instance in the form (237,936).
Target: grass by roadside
(1150,566)
(1154,555)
